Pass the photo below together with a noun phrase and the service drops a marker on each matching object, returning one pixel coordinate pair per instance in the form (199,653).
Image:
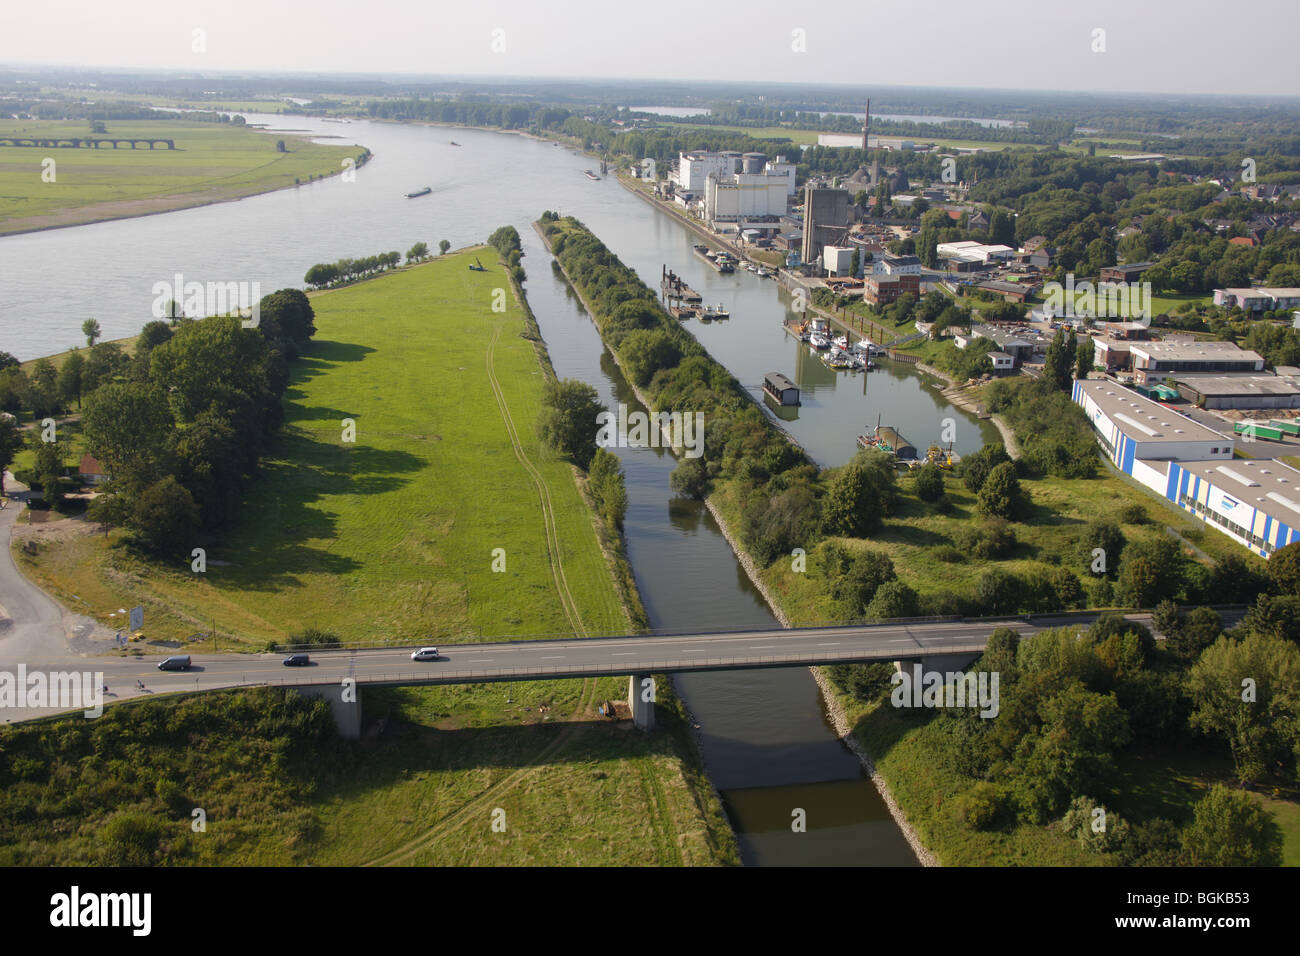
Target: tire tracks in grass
(586,697)
(569,605)
(494,793)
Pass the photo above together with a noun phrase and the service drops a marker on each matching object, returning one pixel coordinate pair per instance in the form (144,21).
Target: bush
(165,518)
(928,482)
(988,540)
(975,468)
(948,554)
(984,807)
(316,637)
(893,599)
(856,586)
(998,592)
(1133,514)
(1001,495)
(690,479)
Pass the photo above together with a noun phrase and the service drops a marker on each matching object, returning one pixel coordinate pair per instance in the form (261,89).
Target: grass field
(212,162)
(390,538)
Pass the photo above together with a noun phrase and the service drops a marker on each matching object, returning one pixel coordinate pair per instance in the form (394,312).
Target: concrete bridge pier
(641,699)
(345,703)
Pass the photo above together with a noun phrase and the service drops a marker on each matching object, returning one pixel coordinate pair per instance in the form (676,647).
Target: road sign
(137,617)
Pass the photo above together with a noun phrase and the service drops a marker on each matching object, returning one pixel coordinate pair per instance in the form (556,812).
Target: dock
(674,287)
(888,439)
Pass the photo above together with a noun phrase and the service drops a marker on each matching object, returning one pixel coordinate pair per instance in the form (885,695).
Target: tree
(70,378)
(1247,692)
(166,518)
(1284,569)
(128,427)
(280,147)
(1001,495)
(645,351)
(856,586)
(1101,536)
(893,599)
(43,390)
(1062,354)
(605,480)
(1230,829)
(90,329)
(998,592)
(105,363)
(928,482)
(443,246)
(568,420)
(11,440)
(975,468)
(1085,353)
(852,507)
(49,471)
(417,252)
(690,479)
(287,315)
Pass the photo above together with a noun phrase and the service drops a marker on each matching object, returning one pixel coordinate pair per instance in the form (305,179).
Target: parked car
(296,660)
(425,654)
(178,662)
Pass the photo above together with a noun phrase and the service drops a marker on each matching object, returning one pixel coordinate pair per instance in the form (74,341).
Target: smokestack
(866,125)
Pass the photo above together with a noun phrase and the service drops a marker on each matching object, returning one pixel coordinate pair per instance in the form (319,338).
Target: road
(548,659)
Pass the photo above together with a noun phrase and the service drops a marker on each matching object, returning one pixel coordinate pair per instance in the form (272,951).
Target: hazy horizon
(1165,49)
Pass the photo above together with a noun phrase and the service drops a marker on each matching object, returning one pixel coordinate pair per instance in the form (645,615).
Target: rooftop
(1144,420)
(1189,350)
(1270,486)
(1241,384)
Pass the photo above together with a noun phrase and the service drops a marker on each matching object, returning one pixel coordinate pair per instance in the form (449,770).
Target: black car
(297,660)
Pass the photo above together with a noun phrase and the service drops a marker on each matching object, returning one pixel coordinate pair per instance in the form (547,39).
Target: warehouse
(1153,362)
(1255,502)
(1133,429)
(1239,391)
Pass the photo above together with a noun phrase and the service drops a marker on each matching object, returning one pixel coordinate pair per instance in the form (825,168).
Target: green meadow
(390,538)
(212,162)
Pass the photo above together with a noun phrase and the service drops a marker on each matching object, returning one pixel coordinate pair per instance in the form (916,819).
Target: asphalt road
(533,660)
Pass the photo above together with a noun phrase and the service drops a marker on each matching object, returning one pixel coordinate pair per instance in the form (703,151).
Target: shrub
(928,482)
(983,807)
(1001,495)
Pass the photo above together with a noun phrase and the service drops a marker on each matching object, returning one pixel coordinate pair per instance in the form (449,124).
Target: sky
(1159,46)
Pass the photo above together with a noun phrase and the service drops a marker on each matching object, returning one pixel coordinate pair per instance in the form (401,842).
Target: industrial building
(1153,362)
(972,253)
(883,290)
(1239,391)
(825,220)
(744,196)
(1255,502)
(1258,299)
(1131,428)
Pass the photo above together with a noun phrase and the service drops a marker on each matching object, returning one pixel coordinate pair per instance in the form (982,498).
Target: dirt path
(492,797)
(544,495)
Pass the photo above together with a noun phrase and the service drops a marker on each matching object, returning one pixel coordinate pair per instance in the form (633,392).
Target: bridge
(80,142)
(946,644)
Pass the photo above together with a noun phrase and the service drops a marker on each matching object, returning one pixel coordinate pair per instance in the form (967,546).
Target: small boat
(420,192)
(715,312)
(764,273)
(590,175)
(819,341)
(841,341)
(454,143)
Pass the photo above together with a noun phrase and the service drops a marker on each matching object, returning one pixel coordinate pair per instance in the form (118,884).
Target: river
(765,737)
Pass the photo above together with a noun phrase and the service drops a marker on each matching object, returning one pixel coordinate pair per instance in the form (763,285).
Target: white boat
(764,274)
(841,341)
(819,341)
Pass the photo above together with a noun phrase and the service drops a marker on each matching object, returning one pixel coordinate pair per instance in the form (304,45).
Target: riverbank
(753,573)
